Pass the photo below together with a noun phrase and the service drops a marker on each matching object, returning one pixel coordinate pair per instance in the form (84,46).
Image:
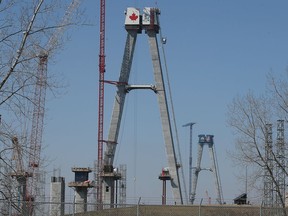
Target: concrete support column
(80,199)
(57,198)
(81,185)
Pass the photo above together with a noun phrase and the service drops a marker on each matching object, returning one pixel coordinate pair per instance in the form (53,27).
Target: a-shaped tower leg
(134,24)
(207,140)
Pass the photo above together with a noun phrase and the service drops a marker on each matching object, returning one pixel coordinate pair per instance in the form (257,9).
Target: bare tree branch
(22,44)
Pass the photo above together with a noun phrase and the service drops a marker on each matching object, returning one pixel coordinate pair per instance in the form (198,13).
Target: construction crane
(39,106)
(17,155)
(101,103)
(37,131)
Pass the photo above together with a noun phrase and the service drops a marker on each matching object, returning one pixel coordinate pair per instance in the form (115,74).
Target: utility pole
(190,159)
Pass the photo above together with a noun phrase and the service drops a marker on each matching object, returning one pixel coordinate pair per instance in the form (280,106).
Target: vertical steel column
(164,193)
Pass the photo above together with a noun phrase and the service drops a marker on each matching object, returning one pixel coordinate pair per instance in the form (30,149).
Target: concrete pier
(81,185)
(57,198)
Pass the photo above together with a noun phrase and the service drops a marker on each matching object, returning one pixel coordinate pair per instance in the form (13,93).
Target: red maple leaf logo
(133,17)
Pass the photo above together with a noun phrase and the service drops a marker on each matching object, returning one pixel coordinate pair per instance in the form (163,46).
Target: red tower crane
(39,107)
(37,131)
(101,100)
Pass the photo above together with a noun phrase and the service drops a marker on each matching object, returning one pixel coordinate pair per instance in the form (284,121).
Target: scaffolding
(280,165)
(93,199)
(37,205)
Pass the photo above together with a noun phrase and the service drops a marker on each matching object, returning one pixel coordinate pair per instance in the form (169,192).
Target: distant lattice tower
(209,141)
(268,169)
(280,164)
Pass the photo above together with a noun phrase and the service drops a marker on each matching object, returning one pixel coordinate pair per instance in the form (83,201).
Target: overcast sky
(216,50)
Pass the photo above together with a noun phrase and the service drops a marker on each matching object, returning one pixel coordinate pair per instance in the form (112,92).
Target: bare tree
(26,27)
(249,116)
(278,90)
(25,30)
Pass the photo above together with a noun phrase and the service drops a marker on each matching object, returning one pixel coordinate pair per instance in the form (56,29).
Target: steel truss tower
(268,170)
(134,23)
(280,165)
(207,140)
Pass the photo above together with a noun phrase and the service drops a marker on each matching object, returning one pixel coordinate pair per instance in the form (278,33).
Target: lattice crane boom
(17,155)
(37,122)
(53,41)
(39,101)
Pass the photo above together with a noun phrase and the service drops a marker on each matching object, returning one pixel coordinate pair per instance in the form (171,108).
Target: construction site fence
(88,209)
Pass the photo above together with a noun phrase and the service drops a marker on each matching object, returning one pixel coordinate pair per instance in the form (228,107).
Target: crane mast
(39,107)
(37,128)
(38,113)
(101,100)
